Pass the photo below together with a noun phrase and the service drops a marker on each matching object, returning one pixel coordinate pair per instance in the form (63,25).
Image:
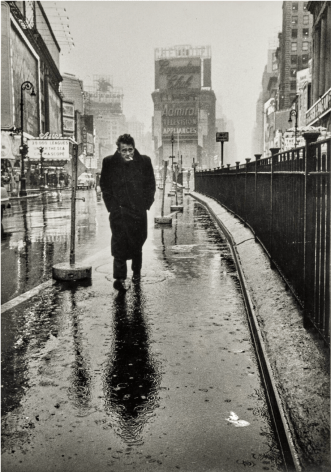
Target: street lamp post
(23,148)
(294,112)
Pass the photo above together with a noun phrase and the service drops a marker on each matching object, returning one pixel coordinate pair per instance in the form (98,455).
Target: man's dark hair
(125,139)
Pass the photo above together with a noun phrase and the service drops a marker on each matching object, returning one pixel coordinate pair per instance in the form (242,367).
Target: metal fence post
(245,199)
(257,158)
(236,188)
(274,152)
(309,229)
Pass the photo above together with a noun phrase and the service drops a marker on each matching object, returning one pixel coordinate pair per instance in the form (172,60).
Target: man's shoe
(119,285)
(136,276)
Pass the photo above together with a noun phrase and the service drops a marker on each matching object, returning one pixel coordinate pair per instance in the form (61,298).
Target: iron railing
(285,200)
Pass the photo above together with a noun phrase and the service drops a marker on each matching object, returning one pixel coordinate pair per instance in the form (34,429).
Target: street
(162,378)
(37,236)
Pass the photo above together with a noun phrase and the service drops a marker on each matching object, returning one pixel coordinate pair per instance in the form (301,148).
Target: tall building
(105,102)
(184,105)
(319,113)
(136,130)
(294,49)
(269,89)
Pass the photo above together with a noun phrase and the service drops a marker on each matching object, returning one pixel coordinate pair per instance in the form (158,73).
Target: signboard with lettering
(180,118)
(53,149)
(320,108)
(222,136)
(179,73)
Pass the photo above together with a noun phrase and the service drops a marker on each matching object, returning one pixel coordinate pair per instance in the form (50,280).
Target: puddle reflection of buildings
(132,377)
(40,238)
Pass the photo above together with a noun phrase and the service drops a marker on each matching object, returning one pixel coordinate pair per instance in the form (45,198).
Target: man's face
(126,151)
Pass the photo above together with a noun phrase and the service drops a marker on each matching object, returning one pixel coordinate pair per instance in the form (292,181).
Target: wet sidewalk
(162,378)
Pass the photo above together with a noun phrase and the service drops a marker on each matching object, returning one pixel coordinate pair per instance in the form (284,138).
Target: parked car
(4,203)
(85,181)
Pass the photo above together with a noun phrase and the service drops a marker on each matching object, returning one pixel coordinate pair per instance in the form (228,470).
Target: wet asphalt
(163,378)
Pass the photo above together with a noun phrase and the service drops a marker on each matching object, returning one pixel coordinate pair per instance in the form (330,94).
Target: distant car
(4,203)
(85,181)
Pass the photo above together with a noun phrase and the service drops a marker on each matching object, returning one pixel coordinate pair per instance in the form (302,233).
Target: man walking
(127,183)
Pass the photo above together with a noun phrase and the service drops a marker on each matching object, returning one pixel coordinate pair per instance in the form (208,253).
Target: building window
(295,6)
(293,73)
(294,33)
(305,46)
(294,59)
(43,127)
(305,6)
(304,58)
(293,85)
(305,32)
(294,20)
(294,47)
(306,20)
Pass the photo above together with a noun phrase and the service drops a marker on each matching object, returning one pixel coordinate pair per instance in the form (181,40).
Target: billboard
(180,118)
(25,67)
(178,73)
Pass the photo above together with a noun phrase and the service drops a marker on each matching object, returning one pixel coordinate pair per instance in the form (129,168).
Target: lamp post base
(75,271)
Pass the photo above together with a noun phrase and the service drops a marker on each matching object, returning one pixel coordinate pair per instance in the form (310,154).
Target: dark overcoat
(128,190)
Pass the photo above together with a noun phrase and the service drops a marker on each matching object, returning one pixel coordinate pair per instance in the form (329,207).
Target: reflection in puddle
(79,391)
(131,378)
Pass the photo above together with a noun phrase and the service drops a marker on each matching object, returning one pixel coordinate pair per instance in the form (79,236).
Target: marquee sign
(52,148)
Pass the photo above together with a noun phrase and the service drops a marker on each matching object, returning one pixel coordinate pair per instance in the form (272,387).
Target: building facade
(105,103)
(29,52)
(184,106)
(295,49)
(269,93)
(319,114)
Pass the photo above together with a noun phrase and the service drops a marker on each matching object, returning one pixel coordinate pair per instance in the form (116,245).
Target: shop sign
(52,149)
(321,108)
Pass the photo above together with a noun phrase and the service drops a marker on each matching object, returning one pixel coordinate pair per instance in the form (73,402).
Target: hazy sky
(119,38)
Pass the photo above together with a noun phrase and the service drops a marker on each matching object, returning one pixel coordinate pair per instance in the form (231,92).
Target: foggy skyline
(119,38)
